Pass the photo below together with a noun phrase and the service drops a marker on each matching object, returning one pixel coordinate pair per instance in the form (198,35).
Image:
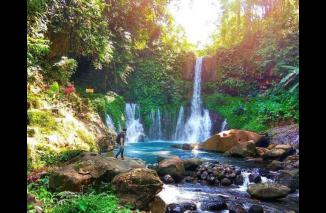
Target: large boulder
(137,187)
(225,140)
(289,179)
(244,149)
(288,134)
(172,166)
(268,191)
(89,168)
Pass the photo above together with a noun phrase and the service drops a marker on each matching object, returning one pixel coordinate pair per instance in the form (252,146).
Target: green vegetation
(99,199)
(43,119)
(109,103)
(132,51)
(256,113)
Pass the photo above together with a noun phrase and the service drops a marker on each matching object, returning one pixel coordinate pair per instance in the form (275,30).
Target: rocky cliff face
(208,68)
(188,66)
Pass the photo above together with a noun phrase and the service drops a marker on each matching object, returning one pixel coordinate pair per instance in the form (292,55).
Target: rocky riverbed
(158,178)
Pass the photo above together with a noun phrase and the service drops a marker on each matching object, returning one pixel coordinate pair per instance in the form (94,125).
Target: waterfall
(199,124)
(109,122)
(180,125)
(134,127)
(223,126)
(152,128)
(158,121)
(155,130)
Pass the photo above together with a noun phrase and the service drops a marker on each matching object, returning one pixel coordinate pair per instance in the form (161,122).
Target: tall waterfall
(199,124)
(180,125)
(109,122)
(155,131)
(134,127)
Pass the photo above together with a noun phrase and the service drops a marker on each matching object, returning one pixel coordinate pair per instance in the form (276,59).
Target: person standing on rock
(121,142)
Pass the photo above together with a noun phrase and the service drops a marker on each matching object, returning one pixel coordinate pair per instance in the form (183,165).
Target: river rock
(225,140)
(174,208)
(266,191)
(283,146)
(291,162)
(189,146)
(204,175)
(188,206)
(137,187)
(254,178)
(88,168)
(289,179)
(275,165)
(236,208)
(261,151)
(157,205)
(192,163)
(243,149)
(274,153)
(256,209)
(172,166)
(168,179)
(239,179)
(215,205)
(226,182)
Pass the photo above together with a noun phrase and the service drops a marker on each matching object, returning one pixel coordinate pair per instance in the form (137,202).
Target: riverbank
(194,189)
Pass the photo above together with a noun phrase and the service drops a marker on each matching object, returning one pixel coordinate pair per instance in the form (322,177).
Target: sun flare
(199,18)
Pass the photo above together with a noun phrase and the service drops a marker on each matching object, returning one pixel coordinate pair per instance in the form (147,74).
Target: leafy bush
(37,49)
(62,70)
(49,157)
(91,203)
(54,90)
(235,87)
(99,199)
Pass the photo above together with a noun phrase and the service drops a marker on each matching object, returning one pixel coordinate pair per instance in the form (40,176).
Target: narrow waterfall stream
(109,122)
(198,126)
(134,127)
(180,125)
(224,126)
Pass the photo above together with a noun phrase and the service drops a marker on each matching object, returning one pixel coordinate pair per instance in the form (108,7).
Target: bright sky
(199,18)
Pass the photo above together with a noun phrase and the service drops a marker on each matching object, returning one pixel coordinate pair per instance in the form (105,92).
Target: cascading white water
(119,127)
(155,130)
(180,125)
(152,127)
(134,127)
(198,126)
(223,126)
(109,122)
